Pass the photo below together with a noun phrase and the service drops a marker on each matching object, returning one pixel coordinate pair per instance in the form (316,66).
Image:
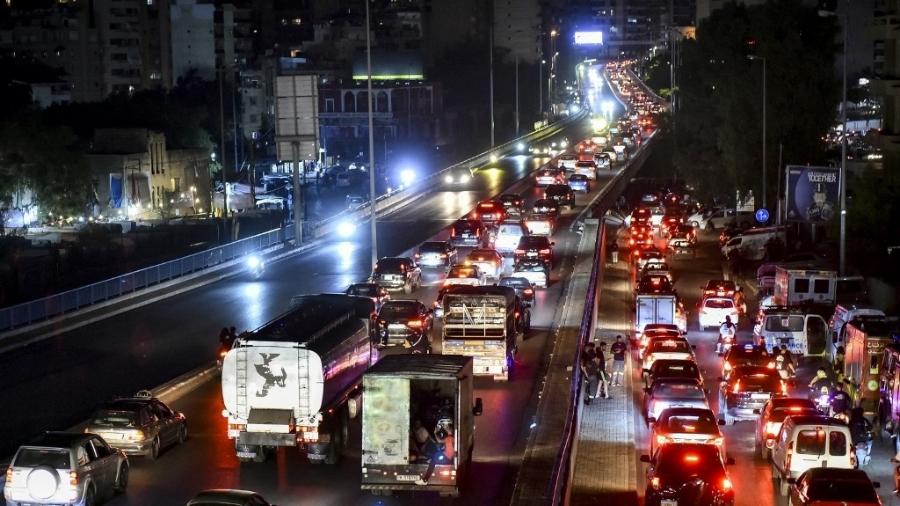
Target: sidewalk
(606,459)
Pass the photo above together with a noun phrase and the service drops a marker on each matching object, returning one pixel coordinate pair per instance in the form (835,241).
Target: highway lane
(72,372)
(289,479)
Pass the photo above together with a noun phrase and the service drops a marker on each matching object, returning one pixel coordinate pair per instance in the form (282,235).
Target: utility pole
(234,117)
(298,193)
(517,96)
(491,65)
(372,221)
(540,66)
(764,170)
(222,144)
(843,173)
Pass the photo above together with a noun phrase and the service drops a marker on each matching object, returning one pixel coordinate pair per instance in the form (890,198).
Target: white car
(674,393)
(535,271)
(805,442)
(488,262)
(508,235)
(668,349)
(586,168)
(713,311)
(567,161)
(470,275)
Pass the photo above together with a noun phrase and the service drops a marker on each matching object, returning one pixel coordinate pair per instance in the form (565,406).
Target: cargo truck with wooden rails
(295,381)
(418,425)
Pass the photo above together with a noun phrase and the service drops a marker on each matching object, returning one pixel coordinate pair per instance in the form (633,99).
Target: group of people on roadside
(594,362)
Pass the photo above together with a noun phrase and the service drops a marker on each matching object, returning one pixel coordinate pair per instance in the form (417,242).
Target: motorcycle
(223,350)
(821,396)
(864,450)
(726,340)
(255,266)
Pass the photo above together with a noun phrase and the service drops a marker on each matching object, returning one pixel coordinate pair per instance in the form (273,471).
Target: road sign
(762,215)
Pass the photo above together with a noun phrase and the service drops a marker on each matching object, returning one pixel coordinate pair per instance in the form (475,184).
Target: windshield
(530,267)
(432,247)
(778,323)
(760,383)
(811,442)
(465,226)
(670,346)
(718,303)
(510,230)
(681,390)
(463,272)
(390,265)
(663,369)
(114,418)
(363,290)
(702,423)
(679,466)
(515,282)
(839,490)
(33,457)
(398,309)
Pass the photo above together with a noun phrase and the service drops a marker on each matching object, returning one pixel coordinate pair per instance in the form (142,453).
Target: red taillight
(9,473)
(727,366)
(415,324)
(452,232)
(520,252)
(654,482)
(418,255)
(545,252)
(443,255)
(737,387)
(726,484)
(528,291)
(73,478)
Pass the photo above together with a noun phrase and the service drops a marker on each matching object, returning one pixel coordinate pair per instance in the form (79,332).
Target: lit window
(296,21)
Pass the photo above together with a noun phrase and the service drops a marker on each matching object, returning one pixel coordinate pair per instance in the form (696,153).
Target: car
(512,202)
(686,425)
(806,442)
(688,474)
(746,354)
(670,348)
(458,176)
(65,468)
(713,311)
(656,330)
(405,323)
(579,183)
(561,193)
(138,425)
(821,486)
(534,247)
(467,233)
(654,284)
(487,260)
(397,273)
(373,291)
(640,214)
(771,417)
(536,272)
(508,235)
(489,212)
(228,497)
(354,202)
(673,393)
(602,160)
(522,286)
(746,391)
(724,288)
(548,176)
(441,254)
(566,161)
(586,168)
(540,224)
(465,275)
(640,240)
(546,206)
(643,256)
(672,369)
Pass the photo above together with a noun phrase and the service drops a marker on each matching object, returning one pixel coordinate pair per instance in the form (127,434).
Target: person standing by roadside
(602,377)
(619,350)
(614,250)
(589,371)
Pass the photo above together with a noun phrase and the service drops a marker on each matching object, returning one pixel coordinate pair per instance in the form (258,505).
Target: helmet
(727,319)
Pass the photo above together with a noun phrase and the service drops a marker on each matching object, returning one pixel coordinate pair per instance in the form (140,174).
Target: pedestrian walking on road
(619,350)
(614,250)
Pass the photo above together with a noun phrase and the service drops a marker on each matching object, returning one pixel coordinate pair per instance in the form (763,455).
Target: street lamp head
(754,57)
(553,33)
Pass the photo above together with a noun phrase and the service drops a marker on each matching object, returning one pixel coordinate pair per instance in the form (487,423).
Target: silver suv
(65,468)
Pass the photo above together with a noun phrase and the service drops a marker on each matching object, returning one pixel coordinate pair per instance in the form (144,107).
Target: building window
(329,105)
(349,103)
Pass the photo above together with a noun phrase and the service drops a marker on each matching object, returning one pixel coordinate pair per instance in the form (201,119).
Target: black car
(688,474)
(439,254)
(405,323)
(746,391)
(673,369)
(561,193)
(534,247)
(522,286)
(371,290)
(747,354)
(546,206)
(654,283)
(513,202)
(397,273)
(467,233)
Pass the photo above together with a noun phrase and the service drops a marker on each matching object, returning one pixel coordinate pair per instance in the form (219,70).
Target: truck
(295,381)
(655,308)
(481,322)
(866,339)
(795,286)
(412,403)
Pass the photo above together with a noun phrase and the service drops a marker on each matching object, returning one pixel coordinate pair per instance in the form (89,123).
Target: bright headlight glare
(346,228)
(464,178)
(253,261)
(448,178)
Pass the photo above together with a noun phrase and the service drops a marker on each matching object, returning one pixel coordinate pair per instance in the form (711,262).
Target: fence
(71,300)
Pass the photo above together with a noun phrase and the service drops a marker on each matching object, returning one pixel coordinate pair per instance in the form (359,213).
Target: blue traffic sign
(762,215)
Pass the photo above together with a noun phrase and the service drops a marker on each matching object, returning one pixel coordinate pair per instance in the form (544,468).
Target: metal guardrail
(71,300)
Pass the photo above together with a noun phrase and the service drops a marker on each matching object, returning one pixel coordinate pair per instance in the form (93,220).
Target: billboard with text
(812,193)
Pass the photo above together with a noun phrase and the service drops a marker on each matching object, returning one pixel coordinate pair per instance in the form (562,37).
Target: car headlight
(346,228)
(465,178)
(253,262)
(448,178)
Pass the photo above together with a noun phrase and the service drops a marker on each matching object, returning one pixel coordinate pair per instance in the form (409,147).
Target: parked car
(138,425)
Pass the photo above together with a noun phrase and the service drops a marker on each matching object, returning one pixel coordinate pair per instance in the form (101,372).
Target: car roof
(225,496)
(837,473)
(784,402)
(127,404)
(815,420)
(69,440)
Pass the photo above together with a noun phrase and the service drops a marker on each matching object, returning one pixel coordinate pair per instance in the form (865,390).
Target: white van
(803,333)
(508,235)
(752,243)
(805,442)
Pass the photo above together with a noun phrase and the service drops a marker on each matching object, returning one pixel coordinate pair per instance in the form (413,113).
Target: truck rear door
(385,421)
(665,310)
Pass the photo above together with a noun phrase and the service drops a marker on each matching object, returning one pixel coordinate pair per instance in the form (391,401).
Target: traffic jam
(789,375)
(424,335)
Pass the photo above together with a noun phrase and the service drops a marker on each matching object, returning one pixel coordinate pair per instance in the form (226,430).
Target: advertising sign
(812,193)
(297,116)
(592,38)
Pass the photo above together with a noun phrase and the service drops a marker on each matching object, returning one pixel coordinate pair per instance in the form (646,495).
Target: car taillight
(545,252)
(443,255)
(790,453)
(73,478)
(240,427)
(726,484)
(452,232)
(528,291)
(772,428)
(520,252)
(737,387)
(654,482)
(223,353)
(418,255)
(9,473)
(727,366)
(661,440)
(771,365)
(415,324)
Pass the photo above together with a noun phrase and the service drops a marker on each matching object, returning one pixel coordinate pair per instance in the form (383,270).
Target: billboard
(588,38)
(812,193)
(297,116)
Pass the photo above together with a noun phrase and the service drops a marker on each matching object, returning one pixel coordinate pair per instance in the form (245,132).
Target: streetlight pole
(843,174)
(517,96)
(491,65)
(372,218)
(764,170)
(222,144)
(540,66)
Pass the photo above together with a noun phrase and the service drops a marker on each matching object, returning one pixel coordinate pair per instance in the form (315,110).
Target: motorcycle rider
(727,329)
(784,362)
(840,401)
(821,385)
(860,433)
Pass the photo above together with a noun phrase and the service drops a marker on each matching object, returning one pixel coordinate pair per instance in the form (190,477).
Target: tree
(719,125)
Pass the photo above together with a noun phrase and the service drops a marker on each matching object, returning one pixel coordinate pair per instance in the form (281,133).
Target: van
(804,333)
(809,441)
(752,243)
(508,235)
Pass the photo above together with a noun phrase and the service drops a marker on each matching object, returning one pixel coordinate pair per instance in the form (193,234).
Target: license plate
(666,502)
(407,477)
(246,455)
(531,255)
(759,396)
